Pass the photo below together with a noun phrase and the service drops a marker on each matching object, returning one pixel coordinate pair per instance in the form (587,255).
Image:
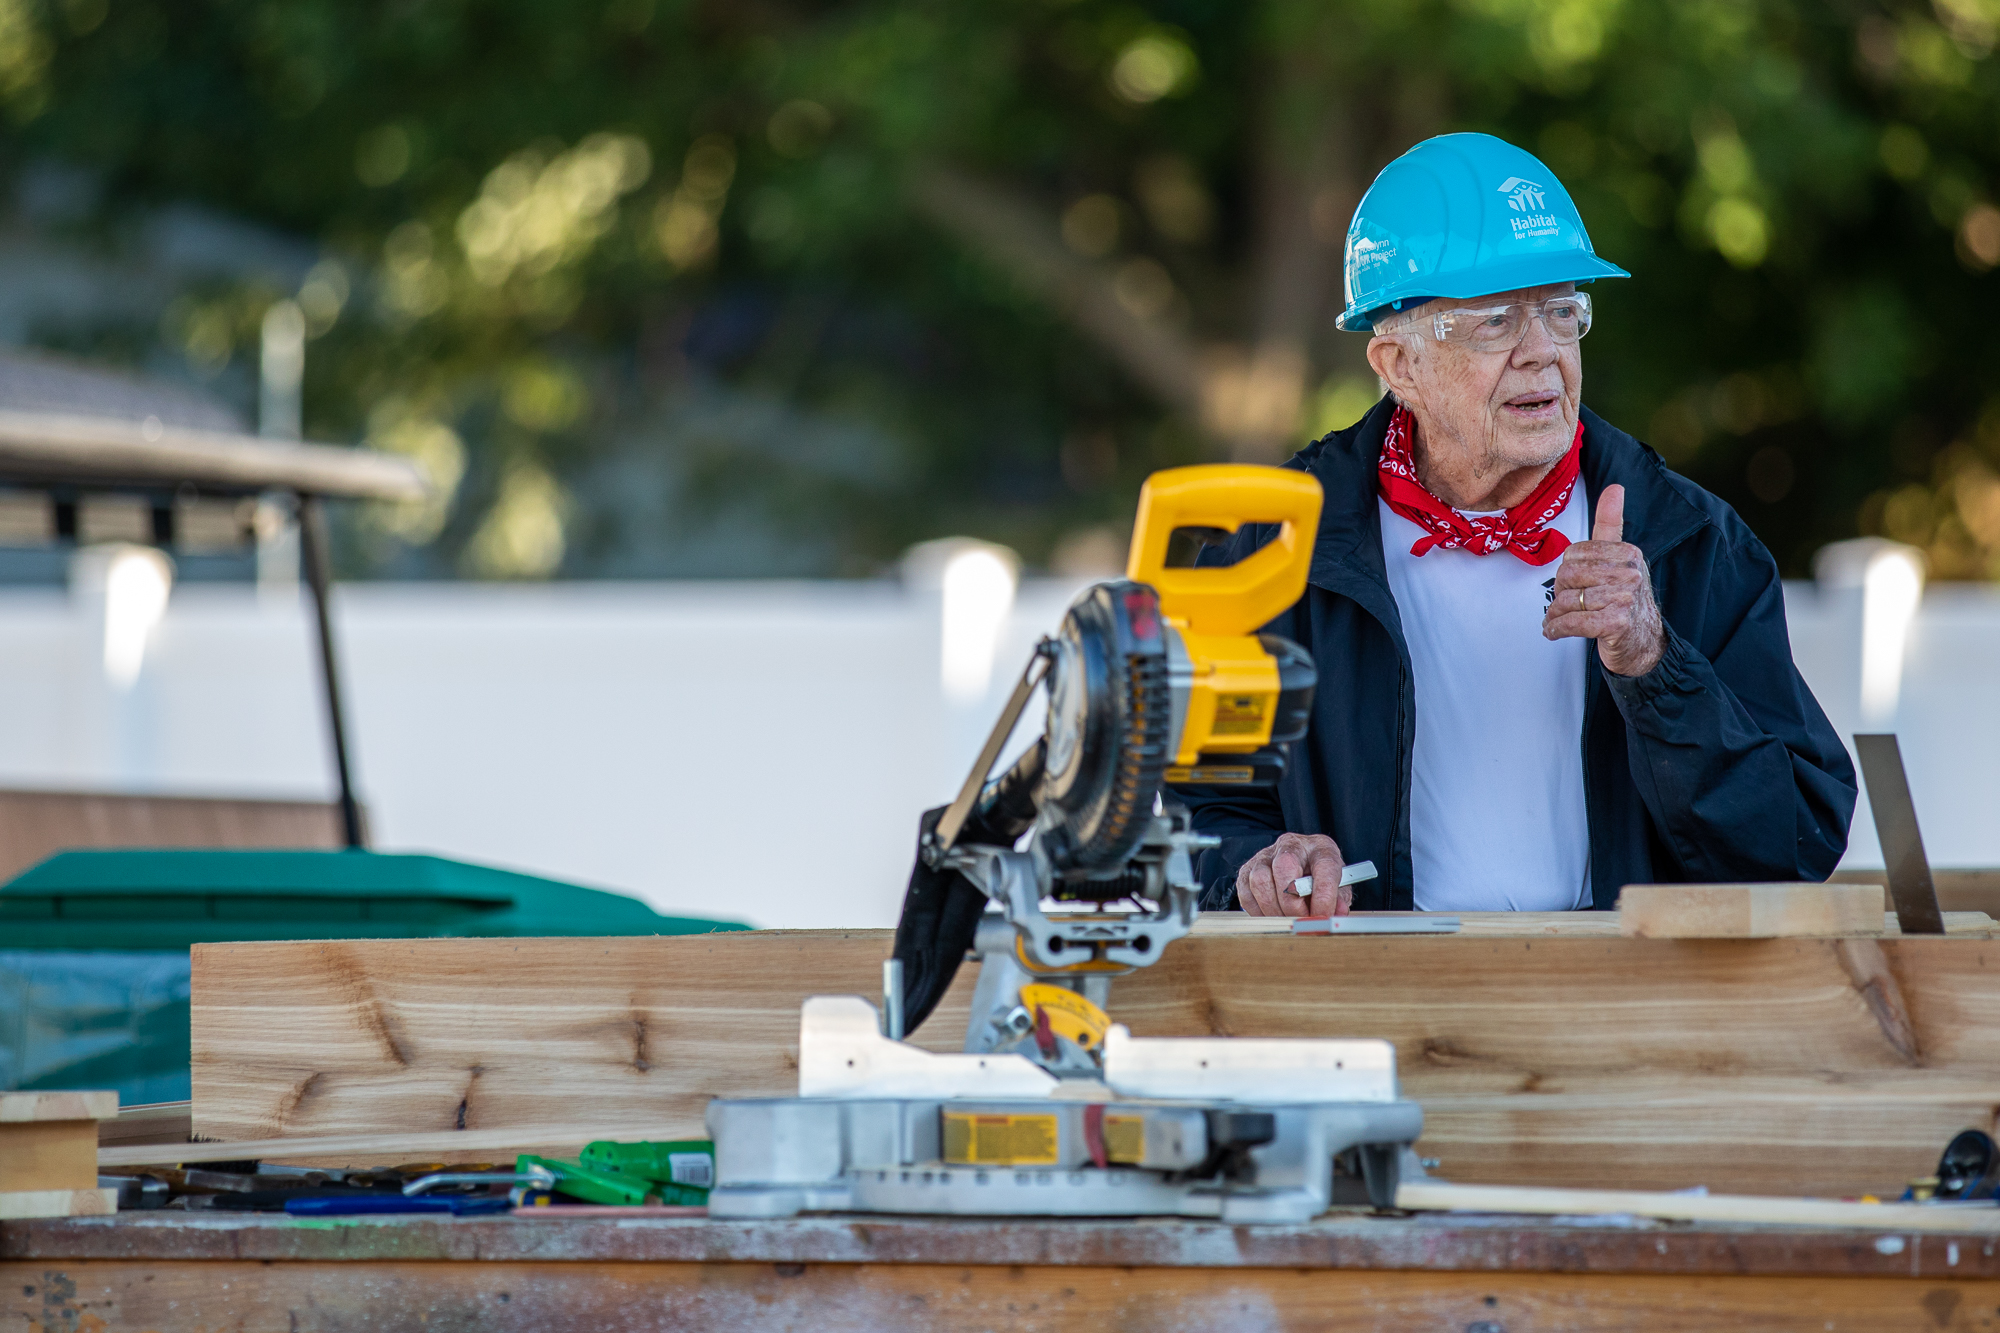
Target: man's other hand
(1264,884)
(1603,592)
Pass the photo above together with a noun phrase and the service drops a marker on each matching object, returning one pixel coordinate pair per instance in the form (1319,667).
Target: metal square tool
(1908,869)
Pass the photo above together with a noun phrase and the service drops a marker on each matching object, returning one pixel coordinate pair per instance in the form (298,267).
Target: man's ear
(1391,359)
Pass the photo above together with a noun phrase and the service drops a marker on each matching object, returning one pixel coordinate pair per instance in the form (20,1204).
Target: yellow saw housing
(1228,680)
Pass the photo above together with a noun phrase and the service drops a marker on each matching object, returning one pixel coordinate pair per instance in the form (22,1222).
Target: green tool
(582,1182)
(680,1170)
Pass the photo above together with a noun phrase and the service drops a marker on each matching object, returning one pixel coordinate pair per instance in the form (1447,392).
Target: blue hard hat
(1462,215)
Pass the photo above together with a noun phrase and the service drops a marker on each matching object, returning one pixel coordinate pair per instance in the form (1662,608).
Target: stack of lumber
(1783,1066)
(48,1154)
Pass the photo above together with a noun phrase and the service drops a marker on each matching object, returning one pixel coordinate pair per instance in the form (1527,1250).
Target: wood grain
(25,1107)
(48,1141)
(1748,911)
(1751,1066)
(150,1122)
(48,1155)
(35,825)
(1442,1196)
(587,1297)
(1344,1240)
(91,1202)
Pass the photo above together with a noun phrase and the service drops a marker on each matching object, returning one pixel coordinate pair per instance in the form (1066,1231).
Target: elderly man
(1548,666)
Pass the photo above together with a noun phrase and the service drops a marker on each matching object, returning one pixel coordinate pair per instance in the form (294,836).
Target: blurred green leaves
(643,284)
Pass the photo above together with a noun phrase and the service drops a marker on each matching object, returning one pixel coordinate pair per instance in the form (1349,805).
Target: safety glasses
(1501,328)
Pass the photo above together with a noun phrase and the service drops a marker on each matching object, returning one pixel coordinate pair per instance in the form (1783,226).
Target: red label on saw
(1140,609)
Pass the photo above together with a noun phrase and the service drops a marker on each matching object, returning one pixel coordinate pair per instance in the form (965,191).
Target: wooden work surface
(886,1275)
(1821,1067)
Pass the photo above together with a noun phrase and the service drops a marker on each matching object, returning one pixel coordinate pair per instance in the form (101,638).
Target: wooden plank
(92,1202)
(149,1123)
(1442,1196)
(586,1297)
(1748,911)
(1821,1067)
(388,1149)
(48,1155)
(1539,924)
(1603,925)
(1346,1240)
(35,825)
(24,1107)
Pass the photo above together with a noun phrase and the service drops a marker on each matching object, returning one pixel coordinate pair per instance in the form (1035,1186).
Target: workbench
(542,1274)
(1545,1052)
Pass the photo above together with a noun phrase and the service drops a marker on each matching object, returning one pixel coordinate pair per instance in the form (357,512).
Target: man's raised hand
(1603,592)
(1264,884)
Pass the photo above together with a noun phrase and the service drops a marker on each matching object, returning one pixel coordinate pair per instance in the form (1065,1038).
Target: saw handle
(1238,598)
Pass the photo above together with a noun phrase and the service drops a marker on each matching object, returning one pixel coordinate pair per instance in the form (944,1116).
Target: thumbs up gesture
(1603,592)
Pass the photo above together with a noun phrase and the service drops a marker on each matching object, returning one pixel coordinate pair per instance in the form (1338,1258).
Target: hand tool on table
(1908,870)
(1968,1172)
(679,1171)
(371,1205)
(416,1196)
(586,1183)
(1154,681)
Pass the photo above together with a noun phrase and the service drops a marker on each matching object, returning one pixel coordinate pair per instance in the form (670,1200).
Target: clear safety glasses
(1501,328)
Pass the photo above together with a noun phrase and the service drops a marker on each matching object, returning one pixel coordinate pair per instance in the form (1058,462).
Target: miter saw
(1070,868)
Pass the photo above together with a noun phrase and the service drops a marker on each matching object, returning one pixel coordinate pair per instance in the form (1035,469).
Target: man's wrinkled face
(1512,409)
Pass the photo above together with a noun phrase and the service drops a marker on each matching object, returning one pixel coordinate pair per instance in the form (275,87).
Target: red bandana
(1523,530)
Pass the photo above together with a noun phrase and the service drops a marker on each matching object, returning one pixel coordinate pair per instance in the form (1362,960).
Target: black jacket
(1717,765)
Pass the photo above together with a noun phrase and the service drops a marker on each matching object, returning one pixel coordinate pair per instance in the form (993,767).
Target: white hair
(1413,323)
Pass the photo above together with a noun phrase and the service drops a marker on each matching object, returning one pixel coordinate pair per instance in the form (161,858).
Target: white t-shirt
(1497,818)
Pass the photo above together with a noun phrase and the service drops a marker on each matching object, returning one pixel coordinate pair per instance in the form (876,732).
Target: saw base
(782,1156)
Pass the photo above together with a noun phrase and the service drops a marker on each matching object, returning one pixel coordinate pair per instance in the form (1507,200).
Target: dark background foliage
(662,287)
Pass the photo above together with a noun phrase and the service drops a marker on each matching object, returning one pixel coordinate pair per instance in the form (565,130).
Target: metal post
(312,541)
(892,999)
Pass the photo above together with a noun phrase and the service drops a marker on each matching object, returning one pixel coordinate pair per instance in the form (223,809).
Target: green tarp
(94,944)
(170,899)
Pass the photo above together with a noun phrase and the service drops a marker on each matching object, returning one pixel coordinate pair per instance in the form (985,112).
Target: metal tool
(1373,923)
(1969,1168)
(1354,874)
(540,1177)
(1908,870)
(1070,868)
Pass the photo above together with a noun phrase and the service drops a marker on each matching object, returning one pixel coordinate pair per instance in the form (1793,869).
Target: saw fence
(1544,1053)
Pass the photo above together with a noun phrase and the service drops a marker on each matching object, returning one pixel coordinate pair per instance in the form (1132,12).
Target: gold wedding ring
(1583,599)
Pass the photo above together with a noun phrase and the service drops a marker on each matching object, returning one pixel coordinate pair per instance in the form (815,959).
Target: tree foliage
(656,286)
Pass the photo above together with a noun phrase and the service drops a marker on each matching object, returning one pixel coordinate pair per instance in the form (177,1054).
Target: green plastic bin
(94,944)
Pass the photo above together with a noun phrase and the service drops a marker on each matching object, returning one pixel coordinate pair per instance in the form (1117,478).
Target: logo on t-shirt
(1548,593)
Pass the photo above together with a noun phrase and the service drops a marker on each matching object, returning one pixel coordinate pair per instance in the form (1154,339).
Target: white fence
(752,750)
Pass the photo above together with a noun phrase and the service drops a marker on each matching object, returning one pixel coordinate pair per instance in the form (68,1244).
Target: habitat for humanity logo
(1525,197)
(1522,196)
